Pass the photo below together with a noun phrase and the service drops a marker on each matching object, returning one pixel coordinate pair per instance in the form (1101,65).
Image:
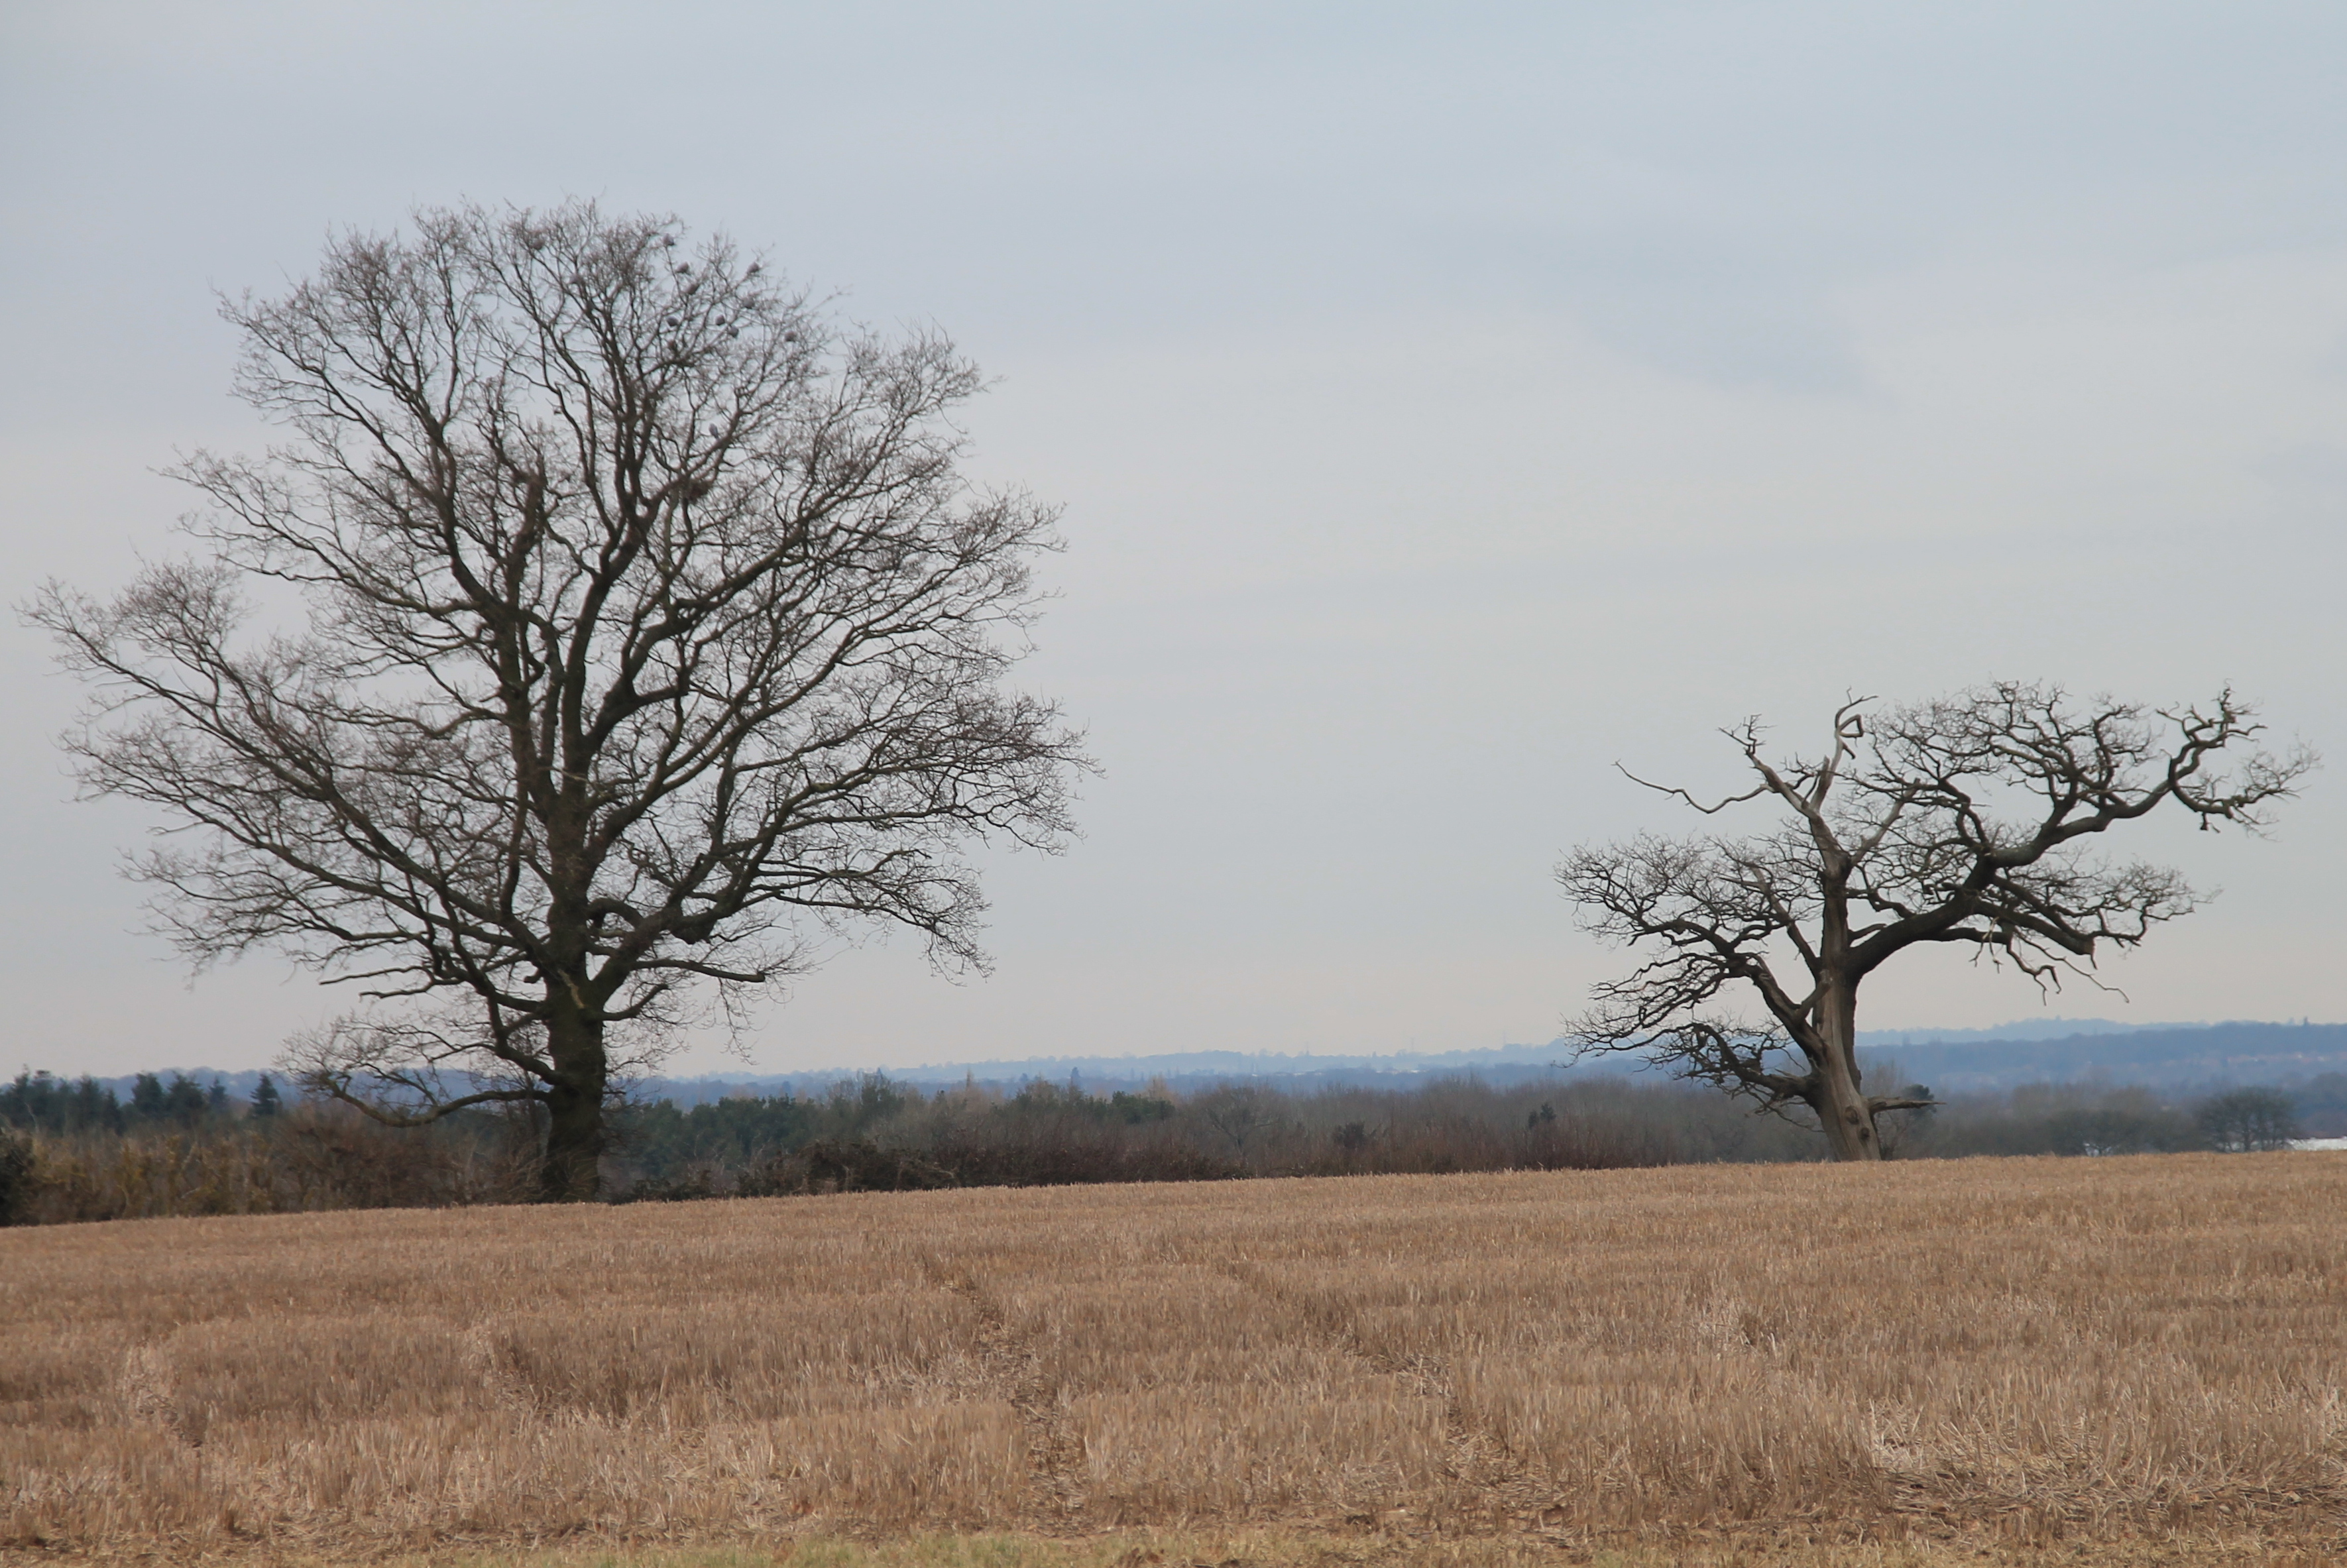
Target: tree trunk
(1842,1110)
(570,1171)
(1841,1104)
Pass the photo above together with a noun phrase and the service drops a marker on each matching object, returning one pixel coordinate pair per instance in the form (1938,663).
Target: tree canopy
(650,627)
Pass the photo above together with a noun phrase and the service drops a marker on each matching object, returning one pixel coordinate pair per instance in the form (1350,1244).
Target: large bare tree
(1968,822)
(649,629)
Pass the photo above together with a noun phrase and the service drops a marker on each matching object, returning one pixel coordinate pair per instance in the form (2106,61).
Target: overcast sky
(1447,402)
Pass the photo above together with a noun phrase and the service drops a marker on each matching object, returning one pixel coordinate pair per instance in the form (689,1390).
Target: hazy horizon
(1445,407)
(1877,1042)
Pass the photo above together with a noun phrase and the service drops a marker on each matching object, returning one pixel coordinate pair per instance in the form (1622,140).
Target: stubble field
(2136,1359)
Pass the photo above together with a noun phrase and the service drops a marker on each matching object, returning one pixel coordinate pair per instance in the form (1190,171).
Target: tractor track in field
(1055,1497)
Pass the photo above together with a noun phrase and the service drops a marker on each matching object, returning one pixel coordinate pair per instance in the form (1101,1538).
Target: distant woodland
(180,1145)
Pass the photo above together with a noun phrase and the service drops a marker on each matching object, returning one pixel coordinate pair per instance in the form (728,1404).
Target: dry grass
(1257,1547)
(2133,1356)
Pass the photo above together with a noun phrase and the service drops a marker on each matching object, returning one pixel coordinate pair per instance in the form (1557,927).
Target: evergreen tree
(20,1101)
(184,1101)
(94,1106)
(148,1100)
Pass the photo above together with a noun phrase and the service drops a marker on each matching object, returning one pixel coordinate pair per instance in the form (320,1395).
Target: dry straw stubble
(2096,1350)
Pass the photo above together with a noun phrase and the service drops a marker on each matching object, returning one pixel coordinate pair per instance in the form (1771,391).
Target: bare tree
(2249,1121)
(651,632)
(1967,821)
(1238,1111)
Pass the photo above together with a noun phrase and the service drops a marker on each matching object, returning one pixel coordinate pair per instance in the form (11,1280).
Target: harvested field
(2124,1355)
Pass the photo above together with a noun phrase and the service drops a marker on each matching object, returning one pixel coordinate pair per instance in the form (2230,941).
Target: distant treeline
(876,1133)
(2074,1119)
(78,1152)
(39,1102)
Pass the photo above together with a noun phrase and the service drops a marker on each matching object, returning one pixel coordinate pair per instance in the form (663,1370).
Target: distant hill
(1954,1061)
(2173,1057)
(2159,1056)
(1185,1072)
(2020,1028)
(2169,1057)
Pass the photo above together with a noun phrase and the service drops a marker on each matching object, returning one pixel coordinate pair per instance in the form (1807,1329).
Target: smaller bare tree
(1966,821)
(1238,1111)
